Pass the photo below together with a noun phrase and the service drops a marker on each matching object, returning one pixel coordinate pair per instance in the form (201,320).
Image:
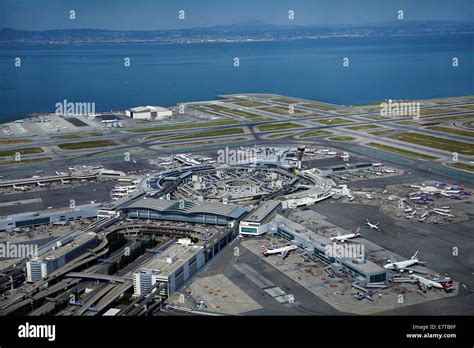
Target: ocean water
(379,68)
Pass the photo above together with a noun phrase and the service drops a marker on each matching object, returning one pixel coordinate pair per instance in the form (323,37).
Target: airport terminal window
(285,234)
(377,278)
(32,222)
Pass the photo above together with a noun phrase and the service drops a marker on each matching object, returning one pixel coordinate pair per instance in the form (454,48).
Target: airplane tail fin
(415,256)
(448,286)
(263,249)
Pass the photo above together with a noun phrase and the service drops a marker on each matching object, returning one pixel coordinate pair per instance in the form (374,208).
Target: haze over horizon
(147,15)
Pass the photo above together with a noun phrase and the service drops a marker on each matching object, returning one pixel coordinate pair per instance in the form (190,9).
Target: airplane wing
(423,286)
(392,259)
(284,254)
(396,268)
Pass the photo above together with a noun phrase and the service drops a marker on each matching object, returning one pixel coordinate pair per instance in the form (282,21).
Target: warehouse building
(184,211)
(149,113)
(173,267)
(39,267)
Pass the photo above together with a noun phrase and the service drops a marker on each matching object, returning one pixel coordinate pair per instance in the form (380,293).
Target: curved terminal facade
(184,211)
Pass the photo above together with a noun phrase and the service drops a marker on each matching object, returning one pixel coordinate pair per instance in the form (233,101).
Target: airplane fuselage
(401,265)
(345,237)
(266,251)
(427,282)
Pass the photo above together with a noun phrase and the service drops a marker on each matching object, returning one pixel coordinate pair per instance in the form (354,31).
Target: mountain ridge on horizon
(252,29)
(255,23)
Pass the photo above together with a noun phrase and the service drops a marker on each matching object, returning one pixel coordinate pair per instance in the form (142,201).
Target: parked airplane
(373,226)
(40,184)
(282,251)
(343,238)
(20,188)
(426,284)
(444,214)
(377,164)
(402,265)
(364,294)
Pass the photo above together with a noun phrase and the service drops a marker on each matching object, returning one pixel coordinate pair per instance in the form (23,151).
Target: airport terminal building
(357,266)
(257,221)
(47,217)
(183,211)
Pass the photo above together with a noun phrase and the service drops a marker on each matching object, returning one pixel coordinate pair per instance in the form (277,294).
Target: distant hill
(250,30)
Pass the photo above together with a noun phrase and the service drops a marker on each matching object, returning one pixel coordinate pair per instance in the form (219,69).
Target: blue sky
(163,14)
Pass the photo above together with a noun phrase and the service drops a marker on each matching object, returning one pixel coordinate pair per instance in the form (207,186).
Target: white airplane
(40,184)
(444,214)
(378,164)
(390,170)
(426,284)
(20,188)
(345,237)
(368,295)
(373,226)
(283,251)
(402,265)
